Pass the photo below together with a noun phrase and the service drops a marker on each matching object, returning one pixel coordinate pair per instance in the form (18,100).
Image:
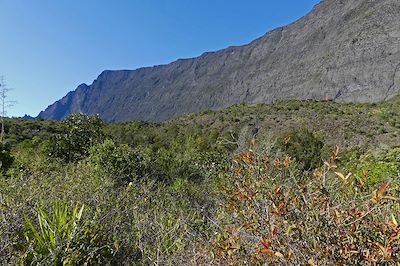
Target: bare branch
(4,104)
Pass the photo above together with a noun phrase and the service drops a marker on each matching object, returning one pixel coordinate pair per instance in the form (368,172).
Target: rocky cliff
(343,50)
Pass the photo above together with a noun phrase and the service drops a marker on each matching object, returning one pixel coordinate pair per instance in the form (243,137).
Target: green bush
(81,133)
(371,170)
(190,158)
(6,159)
(120,162)
(304,146)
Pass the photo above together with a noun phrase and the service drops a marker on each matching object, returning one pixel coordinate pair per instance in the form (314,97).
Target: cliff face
(344,50)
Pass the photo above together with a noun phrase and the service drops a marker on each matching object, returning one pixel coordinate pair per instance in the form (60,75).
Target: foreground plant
(274,214)
(54,238)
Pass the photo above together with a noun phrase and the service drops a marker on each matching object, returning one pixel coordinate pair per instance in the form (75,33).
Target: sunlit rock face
(343,50)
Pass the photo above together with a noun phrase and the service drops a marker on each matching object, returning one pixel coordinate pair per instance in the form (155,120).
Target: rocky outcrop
(343,50)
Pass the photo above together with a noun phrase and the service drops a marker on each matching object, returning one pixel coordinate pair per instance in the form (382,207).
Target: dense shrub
(120,162)
(183,198)
(185,159)
(320,220)
(6,159)
(143,223)
(304,146)
(81,133)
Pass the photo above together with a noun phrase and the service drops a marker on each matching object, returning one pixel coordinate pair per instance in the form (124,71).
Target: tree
(4,105)
(81,133)
(6,159)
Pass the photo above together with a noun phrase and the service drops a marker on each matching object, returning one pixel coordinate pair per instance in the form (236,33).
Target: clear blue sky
(48,47)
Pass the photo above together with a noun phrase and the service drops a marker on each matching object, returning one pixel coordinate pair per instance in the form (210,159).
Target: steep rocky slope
(344,50)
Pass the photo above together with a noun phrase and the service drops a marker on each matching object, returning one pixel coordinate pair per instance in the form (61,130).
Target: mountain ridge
(341,50)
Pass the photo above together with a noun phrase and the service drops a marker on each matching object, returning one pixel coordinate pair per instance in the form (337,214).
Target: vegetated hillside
(374,125)
(248,185)
(370,125)
(342,50)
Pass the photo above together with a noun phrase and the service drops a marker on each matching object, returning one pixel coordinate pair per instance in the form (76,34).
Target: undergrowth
(191,192)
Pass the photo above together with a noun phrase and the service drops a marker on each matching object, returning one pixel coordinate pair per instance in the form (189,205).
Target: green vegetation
(116,161)
(304,146)
(81,133)
(291,183)
(52,242)
(6,159)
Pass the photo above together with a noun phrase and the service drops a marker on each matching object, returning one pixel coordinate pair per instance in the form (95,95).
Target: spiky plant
(51,237)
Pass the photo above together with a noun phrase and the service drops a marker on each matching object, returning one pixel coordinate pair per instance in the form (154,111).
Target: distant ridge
(28,117)
(343,50)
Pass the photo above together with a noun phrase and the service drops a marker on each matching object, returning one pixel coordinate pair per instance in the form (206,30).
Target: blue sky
(49,47)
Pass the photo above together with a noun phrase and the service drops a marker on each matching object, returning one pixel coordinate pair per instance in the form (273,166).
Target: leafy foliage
(58,237)
(6,159)
(206,189)
(304,146)
(185,159)
(81,133)
(116,161)
(318,220)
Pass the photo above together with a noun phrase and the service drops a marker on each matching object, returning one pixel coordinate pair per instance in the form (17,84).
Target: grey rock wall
(343,50)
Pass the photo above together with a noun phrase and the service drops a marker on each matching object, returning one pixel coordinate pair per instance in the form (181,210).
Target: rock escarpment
(343,50)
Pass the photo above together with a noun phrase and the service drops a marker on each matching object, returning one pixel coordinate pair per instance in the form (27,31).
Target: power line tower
(4,104)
